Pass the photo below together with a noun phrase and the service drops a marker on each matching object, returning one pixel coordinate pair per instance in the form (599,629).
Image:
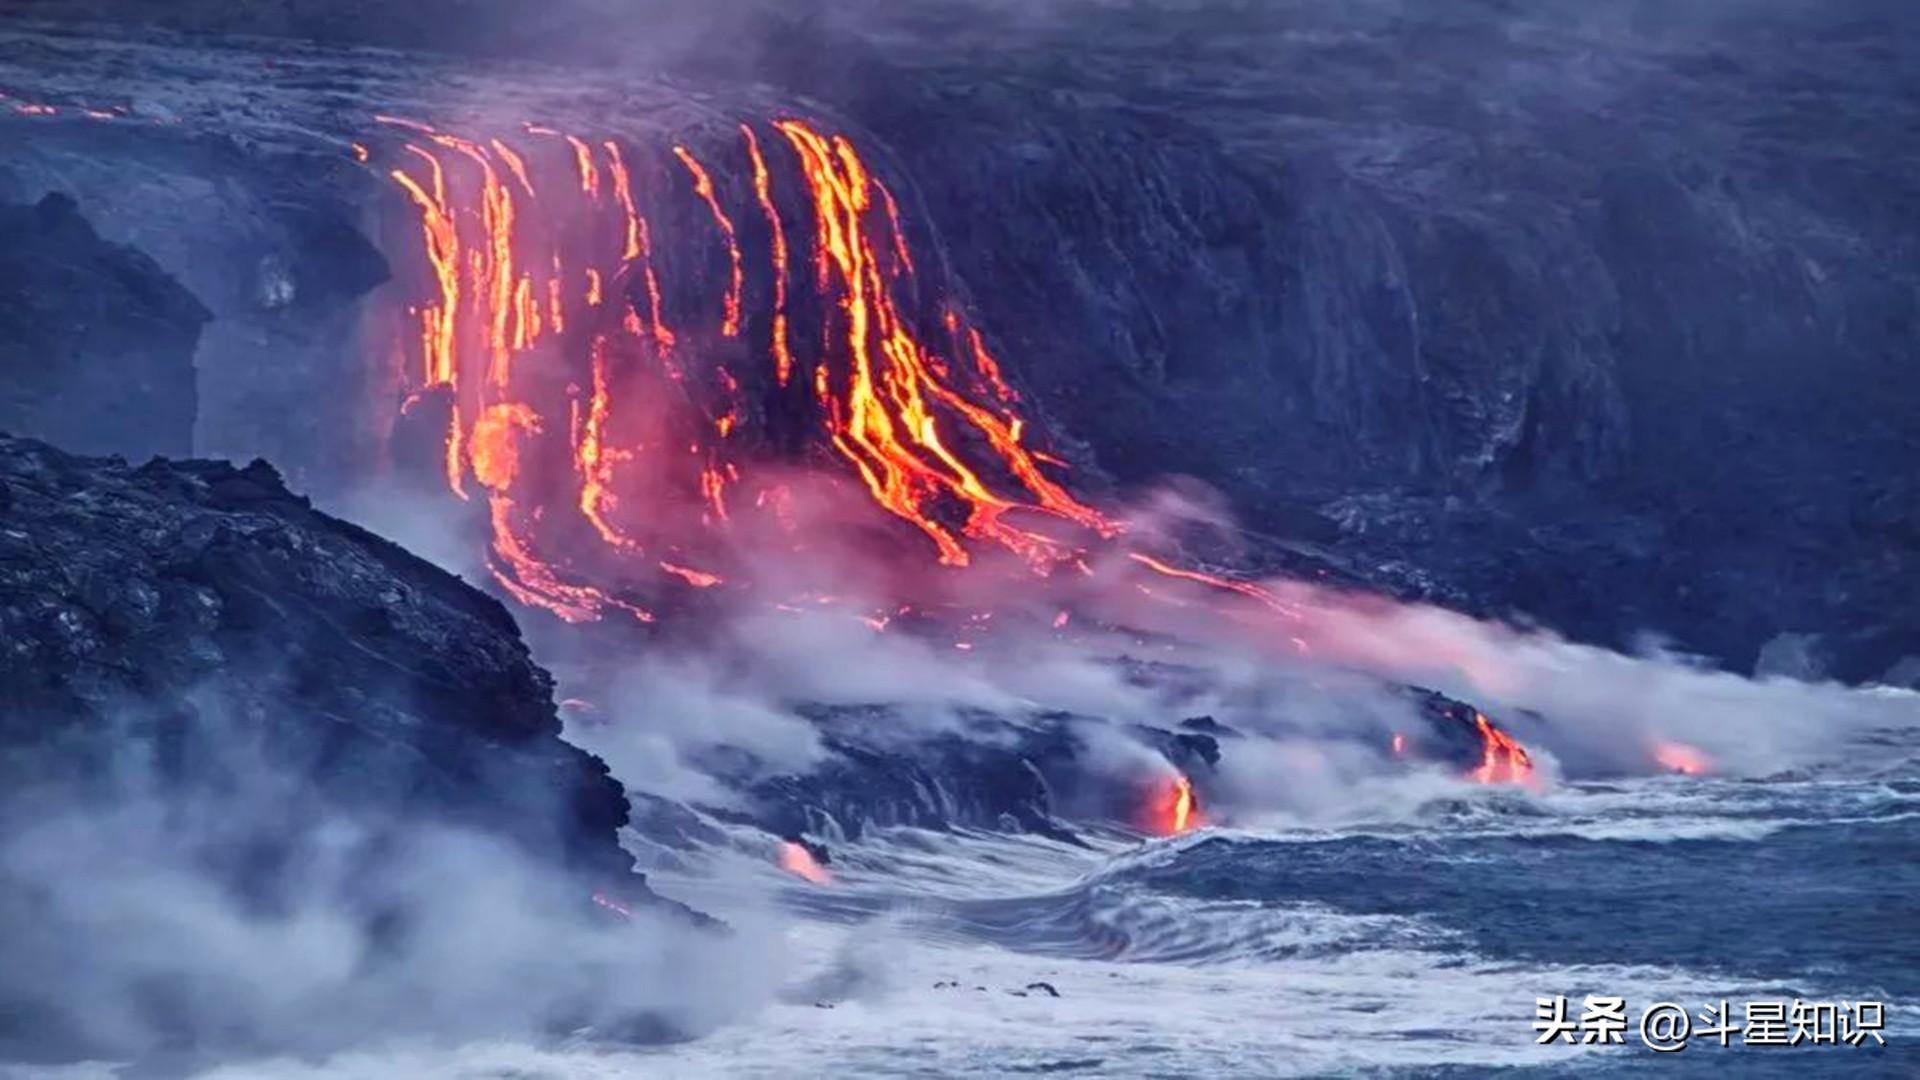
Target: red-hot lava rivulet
(549,339)
(583,411)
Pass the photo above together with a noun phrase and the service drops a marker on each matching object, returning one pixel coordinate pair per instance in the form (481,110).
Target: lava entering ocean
(1173,808)
(795,859)
(1681,758)
(636,416)
(1502,759)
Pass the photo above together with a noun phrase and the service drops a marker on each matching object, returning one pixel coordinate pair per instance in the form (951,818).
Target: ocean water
(1409,939)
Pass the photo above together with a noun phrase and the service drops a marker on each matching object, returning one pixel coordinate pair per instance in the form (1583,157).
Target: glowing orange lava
(514,340)
(495,443)
(882,418)
(615,906)
(1173,808)
(703,186)
(1502,759)
(1243,587)
(795,859)
(699,579)
(777,237)
(1681,758)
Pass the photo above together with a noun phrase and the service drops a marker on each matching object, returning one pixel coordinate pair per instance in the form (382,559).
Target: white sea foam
(950,1010)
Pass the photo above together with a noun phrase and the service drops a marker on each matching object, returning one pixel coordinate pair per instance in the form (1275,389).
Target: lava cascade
(579,401)
(1502,759)
(1173,808)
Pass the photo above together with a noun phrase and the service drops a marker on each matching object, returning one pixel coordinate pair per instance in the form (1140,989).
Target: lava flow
(1502,759)
(1172,808)
(633,356)
(581,383)
(795,859)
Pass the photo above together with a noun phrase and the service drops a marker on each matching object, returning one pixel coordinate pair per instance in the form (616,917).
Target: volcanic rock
(96,341)
(186,603)
(1027,773)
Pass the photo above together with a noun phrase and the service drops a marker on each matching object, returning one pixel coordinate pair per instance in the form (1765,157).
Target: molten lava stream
(547,334)
(1172,807)
(795,859)
(1502,759)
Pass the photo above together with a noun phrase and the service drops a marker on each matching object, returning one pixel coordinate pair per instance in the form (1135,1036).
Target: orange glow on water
(795,859)
(1681,758)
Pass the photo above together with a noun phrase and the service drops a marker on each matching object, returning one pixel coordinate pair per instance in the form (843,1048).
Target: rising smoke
(216,903)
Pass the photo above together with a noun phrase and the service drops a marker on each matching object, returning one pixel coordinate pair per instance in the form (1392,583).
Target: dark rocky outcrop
(179,605)
(96,341)
(225,716)
(270,243)
(1044,774)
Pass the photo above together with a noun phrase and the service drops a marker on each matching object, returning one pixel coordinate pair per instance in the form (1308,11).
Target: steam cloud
(231,911)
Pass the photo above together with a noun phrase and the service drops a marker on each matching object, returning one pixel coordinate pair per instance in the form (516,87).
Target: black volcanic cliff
(183,603)
(96,341)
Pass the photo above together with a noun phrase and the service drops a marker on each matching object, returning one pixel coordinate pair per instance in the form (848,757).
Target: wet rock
(1011,773)
(880,771)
